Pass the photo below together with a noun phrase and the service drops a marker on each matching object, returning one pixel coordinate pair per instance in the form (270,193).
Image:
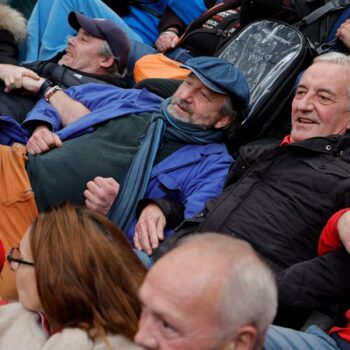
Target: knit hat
(107,30)
(221,76)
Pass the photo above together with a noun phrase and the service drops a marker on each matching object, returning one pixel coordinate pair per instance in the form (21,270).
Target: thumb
(58,142)
(29,73)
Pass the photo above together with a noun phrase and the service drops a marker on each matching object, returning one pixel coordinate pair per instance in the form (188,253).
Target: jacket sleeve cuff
(173,211)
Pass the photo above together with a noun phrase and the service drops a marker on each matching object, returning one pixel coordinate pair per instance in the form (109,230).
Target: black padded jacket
(278,198)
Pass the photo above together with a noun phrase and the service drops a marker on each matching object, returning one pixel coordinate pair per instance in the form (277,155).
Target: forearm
(69,110)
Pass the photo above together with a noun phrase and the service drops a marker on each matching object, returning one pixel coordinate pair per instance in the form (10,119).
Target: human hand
(343,33)
(100,194)
(166,41)
(13,76)
(344,230)
(32,85)
(42,140)
(149,229)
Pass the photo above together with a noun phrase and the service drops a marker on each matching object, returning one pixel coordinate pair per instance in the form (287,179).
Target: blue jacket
(105,102)
(146,25)
(191,175)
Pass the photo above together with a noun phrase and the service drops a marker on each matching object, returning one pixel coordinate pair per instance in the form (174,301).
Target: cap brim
(205,80)
(77,21)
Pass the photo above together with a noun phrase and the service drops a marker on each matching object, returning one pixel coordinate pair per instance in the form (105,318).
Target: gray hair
(229,109)
(336,58)
(106,51)
(249,288)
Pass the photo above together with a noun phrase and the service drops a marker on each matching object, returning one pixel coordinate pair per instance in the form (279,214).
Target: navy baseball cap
(107,30)
(219,75)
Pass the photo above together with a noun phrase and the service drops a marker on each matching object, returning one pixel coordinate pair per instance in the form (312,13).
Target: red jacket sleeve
(329,239)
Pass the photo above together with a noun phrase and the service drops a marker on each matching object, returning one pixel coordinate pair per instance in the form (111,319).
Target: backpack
(316,19)
(320,26)
(270,54)
(208,32)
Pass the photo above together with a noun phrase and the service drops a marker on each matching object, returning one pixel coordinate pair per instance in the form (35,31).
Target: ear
(106,62)
(348,123)
(245,339)
(223,121)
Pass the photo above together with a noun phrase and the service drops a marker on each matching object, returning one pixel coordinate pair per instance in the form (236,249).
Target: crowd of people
(102,179)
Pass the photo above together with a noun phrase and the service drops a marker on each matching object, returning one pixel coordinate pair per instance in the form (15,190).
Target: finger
(30,74)
(144,239)
(41,143)
(174,42)
(136,241)
(33,147)
(90,197)
(152,233)
(112,181)
(57,141)
(101,181)
(90,205)
(160,229)
(95,189)
(18,82)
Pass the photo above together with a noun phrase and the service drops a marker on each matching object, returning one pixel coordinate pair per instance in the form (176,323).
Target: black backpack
(314,18)
(270,54)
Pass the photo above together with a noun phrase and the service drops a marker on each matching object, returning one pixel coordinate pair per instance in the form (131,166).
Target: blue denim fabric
(146,260)
(279,338)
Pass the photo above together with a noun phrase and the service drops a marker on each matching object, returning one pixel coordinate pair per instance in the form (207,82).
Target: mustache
(182,103)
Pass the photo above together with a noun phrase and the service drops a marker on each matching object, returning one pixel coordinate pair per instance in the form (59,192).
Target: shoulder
(15,320)
(77,339)
(120,342)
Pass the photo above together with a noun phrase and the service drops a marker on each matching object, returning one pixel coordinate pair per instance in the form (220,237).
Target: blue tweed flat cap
(221,76)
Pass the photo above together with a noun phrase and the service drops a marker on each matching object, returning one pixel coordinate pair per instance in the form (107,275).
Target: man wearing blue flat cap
(170,149)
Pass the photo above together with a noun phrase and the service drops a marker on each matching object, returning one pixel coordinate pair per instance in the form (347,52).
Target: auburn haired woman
(77,282)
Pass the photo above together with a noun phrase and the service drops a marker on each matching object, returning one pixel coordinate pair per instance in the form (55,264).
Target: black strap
(320,12)
(326,47)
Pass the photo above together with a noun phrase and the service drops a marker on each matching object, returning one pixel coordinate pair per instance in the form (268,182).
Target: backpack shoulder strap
(321,11)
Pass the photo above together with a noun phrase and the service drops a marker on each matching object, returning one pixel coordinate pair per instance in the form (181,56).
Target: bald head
(198,289)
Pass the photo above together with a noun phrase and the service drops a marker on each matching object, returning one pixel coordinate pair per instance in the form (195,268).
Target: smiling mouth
(180,107)
(305,120)
(67,53)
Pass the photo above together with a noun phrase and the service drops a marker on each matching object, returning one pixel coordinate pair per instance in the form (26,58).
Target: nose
(305,103)
(186,94)
(71,40)
(145,334)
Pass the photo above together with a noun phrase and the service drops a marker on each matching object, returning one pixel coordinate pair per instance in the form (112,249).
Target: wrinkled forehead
(325,76)
(199,84)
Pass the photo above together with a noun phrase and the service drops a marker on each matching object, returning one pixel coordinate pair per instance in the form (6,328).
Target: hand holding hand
(32,85)
(13,76)
(166,41)
(42,140)
(149,229)
(100,194)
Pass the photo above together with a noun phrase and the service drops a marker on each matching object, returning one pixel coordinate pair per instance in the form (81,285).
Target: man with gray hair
(211,292)
(279,196)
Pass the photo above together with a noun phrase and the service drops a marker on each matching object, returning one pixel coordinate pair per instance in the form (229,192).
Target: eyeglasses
(14,259)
